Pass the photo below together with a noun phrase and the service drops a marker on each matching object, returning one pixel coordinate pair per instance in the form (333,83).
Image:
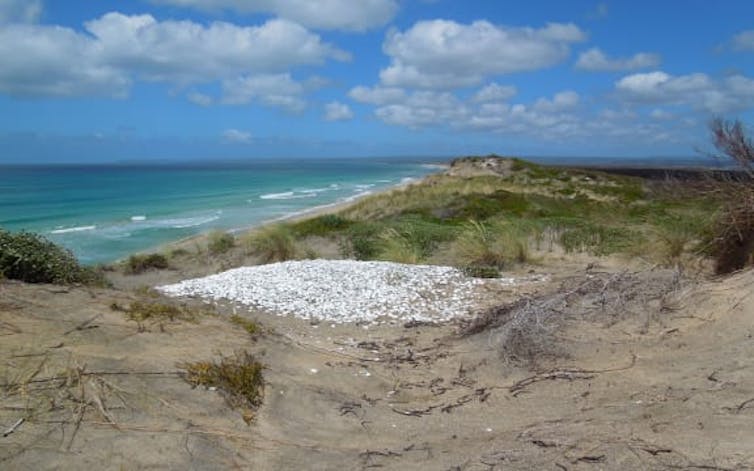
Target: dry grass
(525,330)
(157,313)
(435,191)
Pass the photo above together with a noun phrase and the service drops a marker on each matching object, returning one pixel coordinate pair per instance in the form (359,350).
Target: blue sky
(86,81)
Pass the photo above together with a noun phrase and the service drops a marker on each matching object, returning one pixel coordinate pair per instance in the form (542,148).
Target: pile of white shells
(340,291)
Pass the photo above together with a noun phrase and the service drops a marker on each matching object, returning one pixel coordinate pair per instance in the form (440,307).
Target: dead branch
(570,374)
(83,325)
(14,427)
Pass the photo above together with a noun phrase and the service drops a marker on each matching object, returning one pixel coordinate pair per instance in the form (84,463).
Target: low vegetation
(483,221)
(155,312)
(251,327)
(30,257)
(220,242)
(137,264)
(238,377)
(274,243)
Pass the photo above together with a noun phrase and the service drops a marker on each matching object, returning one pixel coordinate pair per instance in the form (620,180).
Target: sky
(106,81)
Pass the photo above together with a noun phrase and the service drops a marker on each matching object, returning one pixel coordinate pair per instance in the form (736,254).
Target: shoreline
(296,216)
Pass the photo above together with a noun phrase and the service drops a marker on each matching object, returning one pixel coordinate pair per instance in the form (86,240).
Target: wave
(182,223)
(288,195)
(73,229)
(138,218)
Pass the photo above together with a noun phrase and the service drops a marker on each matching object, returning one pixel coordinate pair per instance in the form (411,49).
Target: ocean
(105,212)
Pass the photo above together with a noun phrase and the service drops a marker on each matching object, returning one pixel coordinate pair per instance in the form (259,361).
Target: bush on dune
(733,241)
(136,264)
(30,257)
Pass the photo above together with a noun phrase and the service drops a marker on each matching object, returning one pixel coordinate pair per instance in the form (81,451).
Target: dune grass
(274,243)
(487,222)
(220,242)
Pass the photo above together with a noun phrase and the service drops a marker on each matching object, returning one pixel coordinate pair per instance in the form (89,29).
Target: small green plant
(274,243)
(219,242)
(361,241)
(30,257)
(239,379)
(136,264)
(251,327)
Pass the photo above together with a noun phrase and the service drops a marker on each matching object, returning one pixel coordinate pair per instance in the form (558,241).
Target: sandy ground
(664,379)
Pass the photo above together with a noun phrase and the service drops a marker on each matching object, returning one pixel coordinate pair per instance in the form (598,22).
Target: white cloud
(336,111)
(494,92)
(562,101)
(54,60)
(236,136)
(352,15)
(184,51)
(377,95)
(596,60)
(199,99)
(447,54)
(40,60)
(20,11)
(424,108)
(744,41)
(697,91)
(278,90)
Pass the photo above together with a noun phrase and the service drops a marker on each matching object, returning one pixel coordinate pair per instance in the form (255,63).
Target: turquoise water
(105,212)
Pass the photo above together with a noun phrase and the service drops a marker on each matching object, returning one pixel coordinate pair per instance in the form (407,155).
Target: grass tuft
(239,378)
(398,247)
(275,243)
(251,327)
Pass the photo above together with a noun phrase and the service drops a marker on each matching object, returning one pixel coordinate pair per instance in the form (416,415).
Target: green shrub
(140,263)
(30,257)
(324,225)
(274,243)
(362,241)
(219,242)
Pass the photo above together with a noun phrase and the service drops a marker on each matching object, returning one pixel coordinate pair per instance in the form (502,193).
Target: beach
(574,358)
